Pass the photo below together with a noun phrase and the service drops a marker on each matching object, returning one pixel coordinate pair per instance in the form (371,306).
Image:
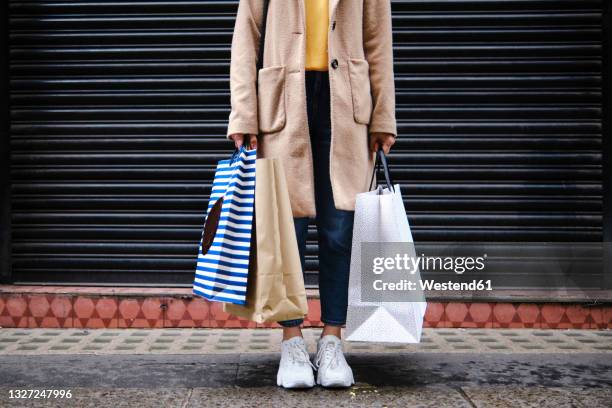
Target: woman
(324,102)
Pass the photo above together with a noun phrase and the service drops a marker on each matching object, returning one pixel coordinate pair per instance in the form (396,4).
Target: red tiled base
(94,313)
(313,319)
(14,311)
(468,315)
(598,317)
(193,312)
(50,311)
(132,309)
(219,318)
(145,313)
(434,315)
(517,315)
(569,317)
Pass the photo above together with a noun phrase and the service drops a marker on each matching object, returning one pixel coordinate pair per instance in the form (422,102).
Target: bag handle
(236,153)
(382,159)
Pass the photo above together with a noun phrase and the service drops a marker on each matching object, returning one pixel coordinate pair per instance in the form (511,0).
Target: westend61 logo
(391,272)
(396,272)
(412,264)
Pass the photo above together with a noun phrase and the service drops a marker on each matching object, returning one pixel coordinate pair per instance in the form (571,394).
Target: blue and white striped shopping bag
(223,265)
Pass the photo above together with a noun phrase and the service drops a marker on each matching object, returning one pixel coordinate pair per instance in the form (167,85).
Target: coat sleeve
(378,48)
(243,68)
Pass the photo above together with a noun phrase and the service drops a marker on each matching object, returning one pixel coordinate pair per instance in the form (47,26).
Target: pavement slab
(237,375)
(255,341)
(538,397)
(357,396)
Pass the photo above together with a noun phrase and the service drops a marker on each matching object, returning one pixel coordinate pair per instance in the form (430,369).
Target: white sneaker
(295,369)
(332,368)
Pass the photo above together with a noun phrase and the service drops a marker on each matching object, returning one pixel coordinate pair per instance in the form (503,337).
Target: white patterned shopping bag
(380,219)
(223,254)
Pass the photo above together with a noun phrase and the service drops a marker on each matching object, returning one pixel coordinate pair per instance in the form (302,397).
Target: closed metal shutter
(119,109)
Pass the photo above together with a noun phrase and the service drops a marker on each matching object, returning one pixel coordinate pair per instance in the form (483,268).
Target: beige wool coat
(362,91)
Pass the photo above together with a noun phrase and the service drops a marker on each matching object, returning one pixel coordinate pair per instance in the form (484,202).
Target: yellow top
(317,22)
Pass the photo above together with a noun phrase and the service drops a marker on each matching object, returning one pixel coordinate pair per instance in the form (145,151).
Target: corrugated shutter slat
(119,111)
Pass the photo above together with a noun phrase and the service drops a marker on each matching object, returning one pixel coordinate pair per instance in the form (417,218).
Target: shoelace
(299,355)
(330,352)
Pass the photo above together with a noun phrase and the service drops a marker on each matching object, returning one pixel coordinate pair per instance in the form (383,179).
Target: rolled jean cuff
(291,323)
(333,322)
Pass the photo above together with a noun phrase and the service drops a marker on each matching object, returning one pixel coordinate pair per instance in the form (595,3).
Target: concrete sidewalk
(537,374)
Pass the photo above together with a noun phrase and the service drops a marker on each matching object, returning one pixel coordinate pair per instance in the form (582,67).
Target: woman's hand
(384,140)
(249,140)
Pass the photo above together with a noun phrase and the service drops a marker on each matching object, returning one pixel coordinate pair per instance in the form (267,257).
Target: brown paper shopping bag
(275,288)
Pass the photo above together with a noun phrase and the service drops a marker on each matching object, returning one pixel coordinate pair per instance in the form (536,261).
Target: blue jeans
(334,227)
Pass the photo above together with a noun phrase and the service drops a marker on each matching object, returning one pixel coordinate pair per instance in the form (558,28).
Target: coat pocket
(271,99)
(359,77)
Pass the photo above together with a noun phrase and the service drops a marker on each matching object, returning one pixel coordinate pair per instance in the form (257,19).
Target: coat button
(333,25)
(334,63)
